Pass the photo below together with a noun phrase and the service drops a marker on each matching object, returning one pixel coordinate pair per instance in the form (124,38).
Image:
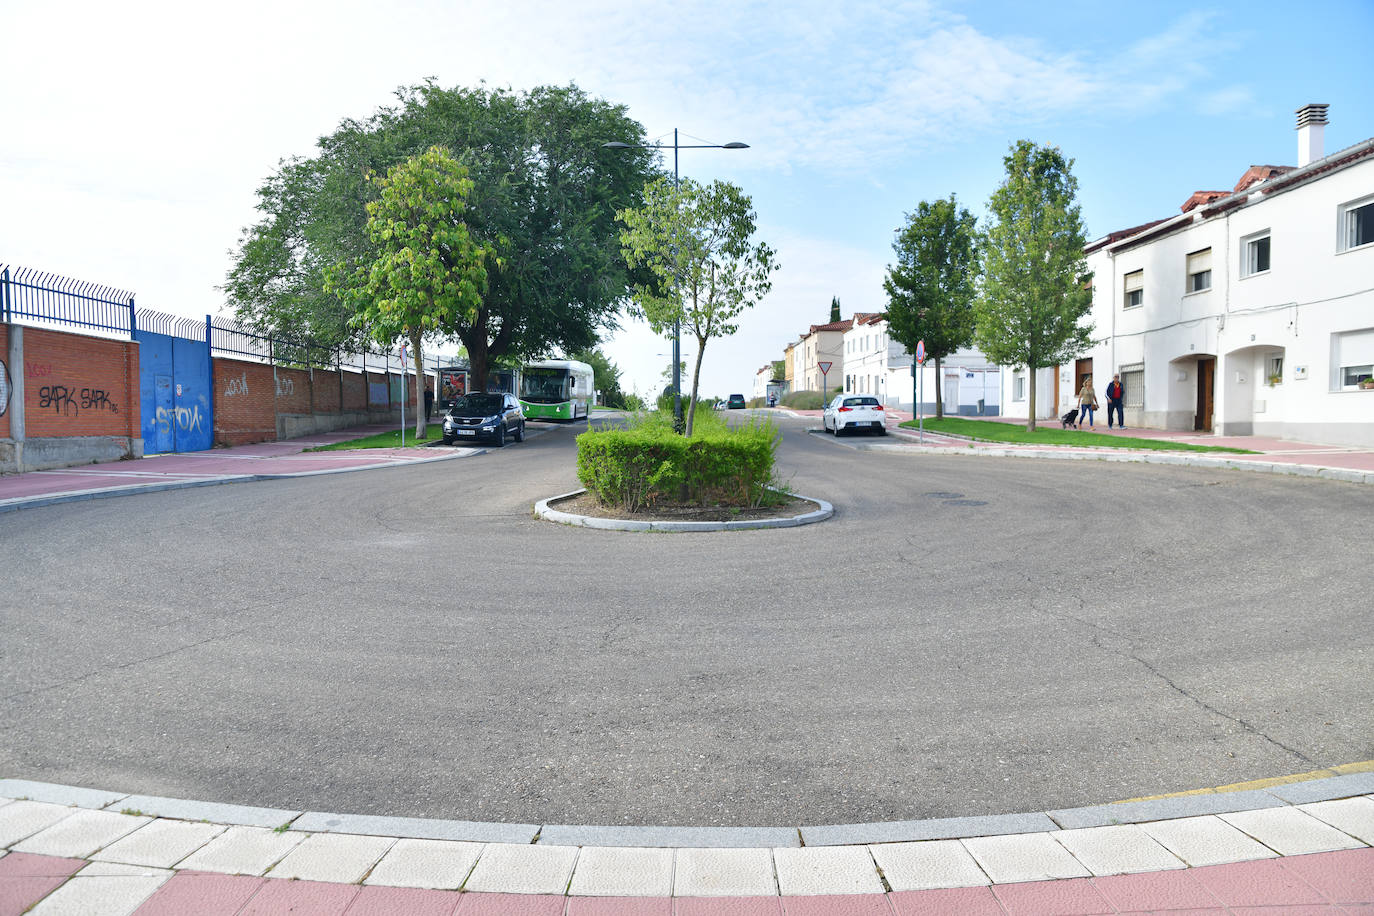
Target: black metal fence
(32,297)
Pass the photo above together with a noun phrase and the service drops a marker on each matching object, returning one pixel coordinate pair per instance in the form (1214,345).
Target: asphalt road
(965,636)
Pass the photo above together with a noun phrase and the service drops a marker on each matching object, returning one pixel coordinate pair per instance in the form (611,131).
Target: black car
(736,402)
(485,416)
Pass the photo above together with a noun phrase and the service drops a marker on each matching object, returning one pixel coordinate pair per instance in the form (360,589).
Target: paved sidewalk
(1301,845)
(261,461)
(1282,456)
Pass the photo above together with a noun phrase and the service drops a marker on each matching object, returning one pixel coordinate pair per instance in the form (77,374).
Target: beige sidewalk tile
(724,873)
(1206,840)
(339,857)
(1290,832)
(610,871)
(81,834)
(440,864)
(927,865)
(1024,857)
(162,843)
(519,869)
(243,851)
(1117,850)
(826,870)
(1354,816)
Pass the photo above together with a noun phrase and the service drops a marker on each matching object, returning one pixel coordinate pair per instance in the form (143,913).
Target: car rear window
(860,402)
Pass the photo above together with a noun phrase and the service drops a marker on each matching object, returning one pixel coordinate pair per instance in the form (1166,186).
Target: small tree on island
(930,289)
(696,241)
(428,272)
(1035,288)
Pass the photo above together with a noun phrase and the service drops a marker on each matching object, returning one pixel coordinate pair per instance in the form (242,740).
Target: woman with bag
(1087,402)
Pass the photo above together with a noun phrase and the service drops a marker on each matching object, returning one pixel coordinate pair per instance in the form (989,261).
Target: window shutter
(1356,348)
(1199,261)
(1135,280)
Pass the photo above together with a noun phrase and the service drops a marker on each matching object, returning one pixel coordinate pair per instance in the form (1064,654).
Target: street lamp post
(678,424)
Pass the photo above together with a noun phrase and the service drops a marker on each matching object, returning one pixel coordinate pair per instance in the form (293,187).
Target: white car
(854,411)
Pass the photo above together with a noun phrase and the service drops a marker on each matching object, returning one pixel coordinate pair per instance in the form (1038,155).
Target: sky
(135,135)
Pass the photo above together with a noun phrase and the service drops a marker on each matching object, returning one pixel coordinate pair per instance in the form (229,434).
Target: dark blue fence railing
(31,295)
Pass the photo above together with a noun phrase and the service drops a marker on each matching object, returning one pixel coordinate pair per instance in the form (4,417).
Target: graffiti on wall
(286,386)
(37,370)
(69,402)
(4,387)
(185,419)
(237,386)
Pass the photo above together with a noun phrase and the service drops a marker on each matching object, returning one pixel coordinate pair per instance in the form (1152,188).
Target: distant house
(1249,312)
(876,364)
(822,344)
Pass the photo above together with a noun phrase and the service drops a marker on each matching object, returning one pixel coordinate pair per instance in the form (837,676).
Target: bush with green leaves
(646,464)
(804,400)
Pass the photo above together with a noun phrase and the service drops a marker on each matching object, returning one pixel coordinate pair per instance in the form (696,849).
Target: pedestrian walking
(1116,395)
(1087,403)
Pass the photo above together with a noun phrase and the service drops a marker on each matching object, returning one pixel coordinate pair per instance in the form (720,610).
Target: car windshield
(478,404)
(860,402)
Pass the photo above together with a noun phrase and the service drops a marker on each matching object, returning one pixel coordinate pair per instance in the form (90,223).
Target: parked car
(736,402)
(485,416)
(854,411)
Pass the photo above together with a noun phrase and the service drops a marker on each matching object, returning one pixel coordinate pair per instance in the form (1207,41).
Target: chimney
(1311,125)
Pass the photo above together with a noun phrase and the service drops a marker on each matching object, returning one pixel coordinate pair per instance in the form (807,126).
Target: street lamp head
(616,144)
(736,145)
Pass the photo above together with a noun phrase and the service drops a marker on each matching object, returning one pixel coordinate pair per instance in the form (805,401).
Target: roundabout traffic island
(583,509)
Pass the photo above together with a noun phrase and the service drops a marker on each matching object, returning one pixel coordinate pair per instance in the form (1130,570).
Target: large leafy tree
(930,289)
(428,272)
(697,240)
(1035,288)
(544,200)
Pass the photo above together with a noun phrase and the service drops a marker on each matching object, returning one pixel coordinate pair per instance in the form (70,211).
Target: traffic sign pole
(920,361)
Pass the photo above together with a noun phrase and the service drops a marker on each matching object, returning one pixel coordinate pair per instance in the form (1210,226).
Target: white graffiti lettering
(285,386)
(187,419)
(237,386)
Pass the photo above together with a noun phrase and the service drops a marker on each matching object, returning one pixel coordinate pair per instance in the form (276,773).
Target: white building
(876,364)
(1251,312)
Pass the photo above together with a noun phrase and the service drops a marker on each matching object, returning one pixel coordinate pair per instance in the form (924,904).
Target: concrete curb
(1320,472)
(543,510)
(1289,795)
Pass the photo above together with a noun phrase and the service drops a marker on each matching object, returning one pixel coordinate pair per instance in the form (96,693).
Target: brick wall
(293,391)
(354,391)
(326,382)
(79,386)
(245,402)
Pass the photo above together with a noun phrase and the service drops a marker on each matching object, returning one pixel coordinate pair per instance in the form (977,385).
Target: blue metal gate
(175,399)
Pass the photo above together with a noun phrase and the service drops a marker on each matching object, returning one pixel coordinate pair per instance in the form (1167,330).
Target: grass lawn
(993,431)
(433,432)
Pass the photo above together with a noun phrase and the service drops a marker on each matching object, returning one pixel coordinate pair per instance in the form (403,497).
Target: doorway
(1082,369)
(1206,375)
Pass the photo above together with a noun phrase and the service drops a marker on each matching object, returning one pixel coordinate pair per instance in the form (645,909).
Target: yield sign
(920,351)
(824,367)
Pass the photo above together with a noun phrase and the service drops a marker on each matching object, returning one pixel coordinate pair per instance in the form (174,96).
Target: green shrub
(647,464)
(804,400)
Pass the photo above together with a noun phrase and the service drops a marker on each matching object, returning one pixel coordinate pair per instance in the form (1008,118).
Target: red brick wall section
(354,391)
(245,402)
(79,386)
(293,391)
(8,381)
(326,391)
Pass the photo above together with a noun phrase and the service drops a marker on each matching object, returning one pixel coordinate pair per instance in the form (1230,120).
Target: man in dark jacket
(1116,394)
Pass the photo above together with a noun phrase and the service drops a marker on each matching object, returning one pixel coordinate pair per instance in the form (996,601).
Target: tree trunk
(478,361)
(1030,417)
(939,390)
(696,377)
(419,385)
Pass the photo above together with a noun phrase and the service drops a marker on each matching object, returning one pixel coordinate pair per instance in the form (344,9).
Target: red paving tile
(1316,910)
(1073,897)
(300,898)
(202,893)
(954,901)
(1342,877)
(26,879)
(510,905)
(727,906)
(403,901)
(838,905)
(620,906)
(1161,890)
(1263,883)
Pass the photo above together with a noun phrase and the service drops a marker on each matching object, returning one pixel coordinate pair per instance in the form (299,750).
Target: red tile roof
(1257,173)
(1199,198)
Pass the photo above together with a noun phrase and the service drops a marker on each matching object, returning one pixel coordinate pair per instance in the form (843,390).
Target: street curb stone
(55,794)
(682,837)
(542,510)
(416,828)
(189,810)
(1158,809)
(1332,787)
(947,828)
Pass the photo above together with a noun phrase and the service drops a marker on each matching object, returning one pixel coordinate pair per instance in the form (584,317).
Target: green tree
(835,309)
(1035,288)
(930,289)
(544,200)
(427,271)
(696,241)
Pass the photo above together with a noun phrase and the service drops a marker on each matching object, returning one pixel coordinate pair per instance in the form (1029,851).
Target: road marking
(1363,766)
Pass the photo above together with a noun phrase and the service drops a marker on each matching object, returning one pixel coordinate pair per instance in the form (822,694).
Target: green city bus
(557,389)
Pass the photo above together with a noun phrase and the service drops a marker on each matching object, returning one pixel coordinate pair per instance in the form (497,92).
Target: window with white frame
(1200,271)
(1273,369)
(1254,254)
(1018,387)
(1133,381)
(1356,223)
(1134,289)
(1352,359)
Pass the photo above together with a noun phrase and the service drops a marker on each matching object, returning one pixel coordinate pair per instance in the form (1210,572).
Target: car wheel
(501,436)
(520,432)
(448,440)
(839,430)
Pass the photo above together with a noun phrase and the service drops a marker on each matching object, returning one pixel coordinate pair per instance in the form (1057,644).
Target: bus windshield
(544,386)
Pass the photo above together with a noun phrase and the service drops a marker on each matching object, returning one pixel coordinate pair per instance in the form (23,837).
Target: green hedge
(648,465)
(804,400)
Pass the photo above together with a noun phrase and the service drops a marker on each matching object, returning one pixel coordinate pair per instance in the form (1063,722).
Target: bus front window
(544,386)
